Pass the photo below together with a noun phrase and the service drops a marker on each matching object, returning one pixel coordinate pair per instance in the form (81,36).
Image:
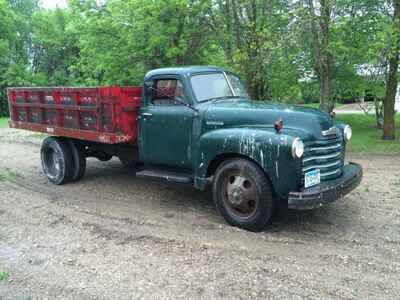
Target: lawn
(367,138)
(3,122)
(316,105)
(311,105)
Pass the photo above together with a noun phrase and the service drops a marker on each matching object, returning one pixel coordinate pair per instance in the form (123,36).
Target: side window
(166,91)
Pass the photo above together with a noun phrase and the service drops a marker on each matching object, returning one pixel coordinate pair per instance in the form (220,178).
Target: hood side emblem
(215,123)
(330,131)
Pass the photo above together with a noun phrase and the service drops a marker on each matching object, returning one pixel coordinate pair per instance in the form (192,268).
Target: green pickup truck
(195,125)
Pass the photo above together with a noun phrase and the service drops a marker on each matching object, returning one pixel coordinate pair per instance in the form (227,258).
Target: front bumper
(327,192)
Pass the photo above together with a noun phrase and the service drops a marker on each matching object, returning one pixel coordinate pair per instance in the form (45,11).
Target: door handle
(147,115)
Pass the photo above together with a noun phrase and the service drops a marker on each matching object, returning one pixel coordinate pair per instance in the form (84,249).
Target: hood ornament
(331,131)
(278,125)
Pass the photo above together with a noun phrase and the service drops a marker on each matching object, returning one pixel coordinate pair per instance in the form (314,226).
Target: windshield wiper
(222,98)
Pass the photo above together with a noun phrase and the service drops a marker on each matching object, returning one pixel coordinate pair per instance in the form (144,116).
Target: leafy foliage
(268,43)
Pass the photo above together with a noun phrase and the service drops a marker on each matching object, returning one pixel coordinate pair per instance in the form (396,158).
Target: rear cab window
(166,90)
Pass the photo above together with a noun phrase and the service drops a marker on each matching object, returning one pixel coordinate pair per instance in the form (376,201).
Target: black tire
(243,194)
(57,161)
(79,159)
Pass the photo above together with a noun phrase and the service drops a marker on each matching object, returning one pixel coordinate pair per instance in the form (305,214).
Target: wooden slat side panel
(101,114)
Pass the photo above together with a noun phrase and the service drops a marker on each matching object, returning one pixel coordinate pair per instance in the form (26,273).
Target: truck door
(166,124)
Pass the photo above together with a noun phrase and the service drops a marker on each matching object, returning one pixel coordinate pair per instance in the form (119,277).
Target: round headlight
(347,133)
(297,148)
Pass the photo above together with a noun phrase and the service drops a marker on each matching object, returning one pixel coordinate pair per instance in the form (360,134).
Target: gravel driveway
(114,236)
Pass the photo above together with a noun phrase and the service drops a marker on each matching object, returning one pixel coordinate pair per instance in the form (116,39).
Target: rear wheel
(243,194)
(57,161)
(79,159)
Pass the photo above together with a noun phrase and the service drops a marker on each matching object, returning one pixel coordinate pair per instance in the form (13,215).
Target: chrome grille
(326,155)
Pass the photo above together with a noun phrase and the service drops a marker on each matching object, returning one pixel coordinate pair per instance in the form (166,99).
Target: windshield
(215,85)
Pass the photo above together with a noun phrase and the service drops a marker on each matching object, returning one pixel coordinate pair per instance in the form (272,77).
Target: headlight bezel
(347,133)
(297,148)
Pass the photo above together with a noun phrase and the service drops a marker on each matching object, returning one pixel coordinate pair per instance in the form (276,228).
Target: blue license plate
(312,178)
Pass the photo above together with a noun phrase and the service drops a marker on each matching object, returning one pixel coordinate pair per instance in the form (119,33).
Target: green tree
(359,48)
(7,37)
(285,50)
(392,81)
(55,50)
(120,41)
(257,41)
(321,27)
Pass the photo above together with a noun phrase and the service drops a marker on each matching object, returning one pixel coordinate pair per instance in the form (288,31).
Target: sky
(51,4)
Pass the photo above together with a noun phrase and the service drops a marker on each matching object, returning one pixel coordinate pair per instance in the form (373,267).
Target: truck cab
(198,126)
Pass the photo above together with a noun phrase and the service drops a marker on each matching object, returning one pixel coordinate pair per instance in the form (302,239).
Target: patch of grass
(316,105)
(9,175)
(3,122)
(3,276)
(38,135)
(311,105)
(367,139)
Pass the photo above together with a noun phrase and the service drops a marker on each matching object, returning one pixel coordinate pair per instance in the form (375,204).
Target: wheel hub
(236,196)
(240,194)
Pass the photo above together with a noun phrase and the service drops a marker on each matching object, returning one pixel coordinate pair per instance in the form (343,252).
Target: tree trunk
(389,126)
(378,113)
(326,59)
(323,56)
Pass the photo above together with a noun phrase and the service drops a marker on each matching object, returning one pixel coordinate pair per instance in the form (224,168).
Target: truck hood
(244,113)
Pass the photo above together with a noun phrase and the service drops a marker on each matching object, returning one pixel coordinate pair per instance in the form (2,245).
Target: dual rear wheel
(63,160)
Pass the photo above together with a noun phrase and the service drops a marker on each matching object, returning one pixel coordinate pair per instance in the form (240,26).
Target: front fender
(270,150)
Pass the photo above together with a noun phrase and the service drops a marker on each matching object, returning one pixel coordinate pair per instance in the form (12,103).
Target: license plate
(312,178)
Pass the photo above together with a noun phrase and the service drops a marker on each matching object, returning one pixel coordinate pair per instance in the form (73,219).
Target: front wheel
(243,194)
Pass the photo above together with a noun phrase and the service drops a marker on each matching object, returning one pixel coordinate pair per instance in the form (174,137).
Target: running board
(166,175)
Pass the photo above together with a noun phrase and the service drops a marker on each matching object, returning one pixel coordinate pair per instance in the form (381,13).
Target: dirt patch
(112,235)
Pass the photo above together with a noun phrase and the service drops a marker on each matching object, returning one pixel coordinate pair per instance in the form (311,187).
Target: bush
(310,92)
(3,104)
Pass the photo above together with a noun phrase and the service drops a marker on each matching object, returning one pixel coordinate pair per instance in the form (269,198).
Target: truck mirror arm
(174,99)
